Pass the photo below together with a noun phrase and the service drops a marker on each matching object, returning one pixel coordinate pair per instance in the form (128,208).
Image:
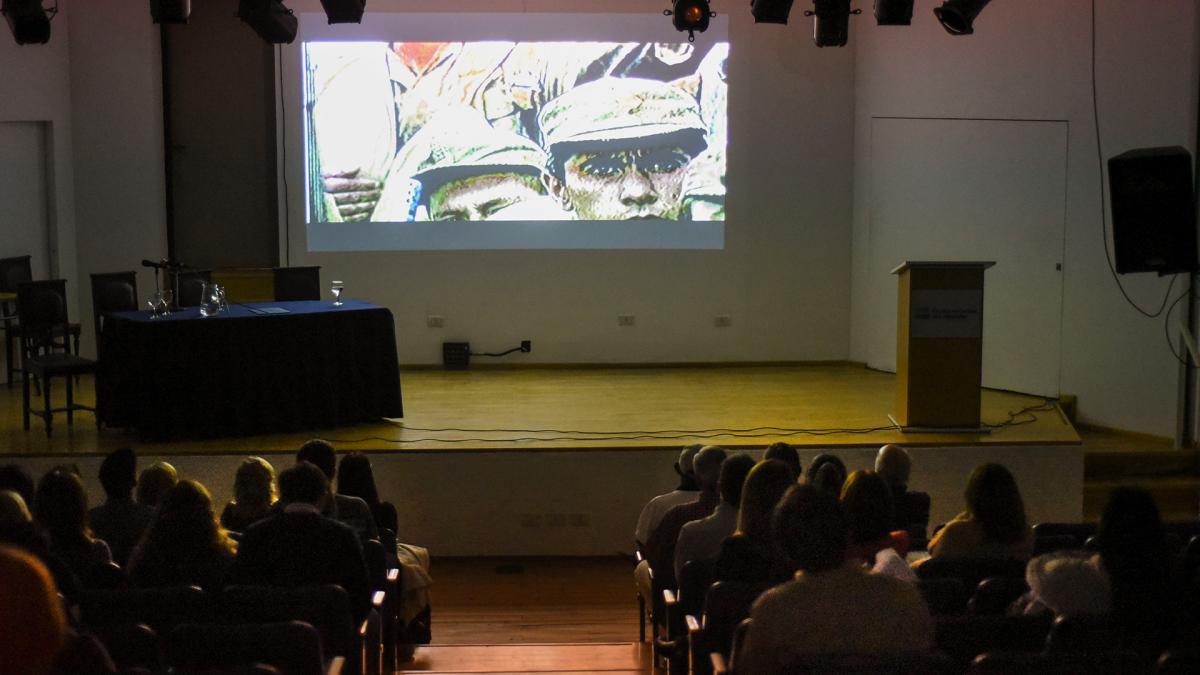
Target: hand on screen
(355,197)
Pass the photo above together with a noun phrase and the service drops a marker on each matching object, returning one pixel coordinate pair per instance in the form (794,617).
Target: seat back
(695,577)
(914,663)
(944,596)
(15,271)
(1179,662)
(42,312)
(297,283)
(1082,634)
(326,608)
(376,559)
(1079,531)
(159,608)
(964,637)
(188,286)
(970,571)
(132,646)
(1025,663)
(293,647)
(1049,543)
(112,292)
(726,604)
(994,594)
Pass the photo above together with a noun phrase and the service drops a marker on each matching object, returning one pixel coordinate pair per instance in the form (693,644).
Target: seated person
(911,508)
(828,472)
(60,508)
(660,545)
(686,491)
(993,526)
(300,547)
(344,508)
(119,521)
(154,481)
(867,503)
(786,453)
(254,493)
(752,555)
(831,607)
(184,545)
(700,540)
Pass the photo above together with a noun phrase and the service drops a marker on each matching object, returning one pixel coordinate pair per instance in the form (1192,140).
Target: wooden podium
(939,346)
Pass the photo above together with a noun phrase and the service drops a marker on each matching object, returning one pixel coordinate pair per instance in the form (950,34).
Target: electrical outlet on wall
(435,321)
(722,321)
(626,320)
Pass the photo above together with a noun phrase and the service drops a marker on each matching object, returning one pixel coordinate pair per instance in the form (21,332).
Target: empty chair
(1024,663)
(297,283)
(188,285)
(325,608)
(1079,531)
(994,595)
(159,608)
(970,571)
(1082,634)
(726,604)
(292,647)
(944,596)
(964,637)
(42,312)
(13,273)
(112,292)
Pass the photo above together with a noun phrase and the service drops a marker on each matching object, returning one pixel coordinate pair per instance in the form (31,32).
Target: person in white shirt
(687,491)
(700,540)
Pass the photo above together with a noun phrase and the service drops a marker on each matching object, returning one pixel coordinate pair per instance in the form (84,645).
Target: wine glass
(336,287)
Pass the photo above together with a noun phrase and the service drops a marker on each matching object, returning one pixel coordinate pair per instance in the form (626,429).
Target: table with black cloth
(247,370)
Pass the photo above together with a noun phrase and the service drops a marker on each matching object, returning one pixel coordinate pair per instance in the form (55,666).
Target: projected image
(443,132)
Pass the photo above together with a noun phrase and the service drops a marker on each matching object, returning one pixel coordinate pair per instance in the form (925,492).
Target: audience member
(752,554)
(119,521)
(300,547)
(832,606)
(828,473)
(867,503)
(356,478)
(349,510)
(786,453)
(894,465)
(254,494)
(60,506)
(993,526)
(18,530)
(1065,583)
(154,482)
(660,545)
(33,625)
(184,545)
(700,540)
(1133,550)
(686,491)
(13,477)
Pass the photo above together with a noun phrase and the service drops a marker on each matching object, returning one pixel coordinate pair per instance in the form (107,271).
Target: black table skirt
(244,372)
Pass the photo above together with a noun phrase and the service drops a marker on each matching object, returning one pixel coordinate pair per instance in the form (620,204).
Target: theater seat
(292,647)
(1023,663)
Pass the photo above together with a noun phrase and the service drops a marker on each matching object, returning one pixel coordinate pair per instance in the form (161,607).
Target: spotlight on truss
(893,12)
(770,11)
(831,22)
(958,16)
(273,21)
(691,16)
(344,11)
(170,11)
(28,21)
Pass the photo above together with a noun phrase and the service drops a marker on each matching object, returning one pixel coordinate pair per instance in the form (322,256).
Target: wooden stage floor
(592,408)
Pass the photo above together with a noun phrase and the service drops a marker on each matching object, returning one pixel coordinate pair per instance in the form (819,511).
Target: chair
(944,596)
(726,604)
(970,571)
(1049,543)
(695,577)
(994,595)
(132,646)
(297,283)
(159,608)
(964,637)
(914,663)
(188,285)
(326,608)
(112,292)
(42,313)
(293,647)
(1080,531)
(1082,634)
(1093,663)
(1179,662)
(14,272)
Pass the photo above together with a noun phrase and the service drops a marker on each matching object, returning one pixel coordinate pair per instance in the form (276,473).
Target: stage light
(690,16)
(831,22)
(170,11)
(958,16)
(28,21)
(344,11)
(273,22)
(893,12)
(770,11)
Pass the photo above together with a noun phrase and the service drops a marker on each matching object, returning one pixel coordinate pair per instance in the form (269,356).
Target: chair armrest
(377,599)
(336,664)
(637,553)
(362,628)
(693,624)
(669,597)
(393,574)
(719,665)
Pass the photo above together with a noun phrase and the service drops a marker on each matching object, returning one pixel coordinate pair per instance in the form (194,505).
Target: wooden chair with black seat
(14,272)
(293,647)
(42,313)
(297,283)
(187,285)
(112,292)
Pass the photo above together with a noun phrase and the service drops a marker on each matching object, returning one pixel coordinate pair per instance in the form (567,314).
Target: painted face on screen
(481,197)
(624,184)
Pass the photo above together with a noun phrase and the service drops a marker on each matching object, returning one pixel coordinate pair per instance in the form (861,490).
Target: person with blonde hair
(60,506)
(32,621)
(154,482)
(994,524)
(752,554)
(254,493)
(184,544)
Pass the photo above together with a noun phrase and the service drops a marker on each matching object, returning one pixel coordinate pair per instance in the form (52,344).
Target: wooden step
(617,657)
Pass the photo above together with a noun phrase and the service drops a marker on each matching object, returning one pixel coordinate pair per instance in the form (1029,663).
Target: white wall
(783,276)
(35,87)
(116,105)
(1031,60)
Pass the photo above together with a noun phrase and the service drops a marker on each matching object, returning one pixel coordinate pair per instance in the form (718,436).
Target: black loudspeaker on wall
(1153,210)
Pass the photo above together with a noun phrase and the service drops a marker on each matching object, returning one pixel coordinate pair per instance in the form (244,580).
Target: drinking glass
(210,300)
(336,287)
